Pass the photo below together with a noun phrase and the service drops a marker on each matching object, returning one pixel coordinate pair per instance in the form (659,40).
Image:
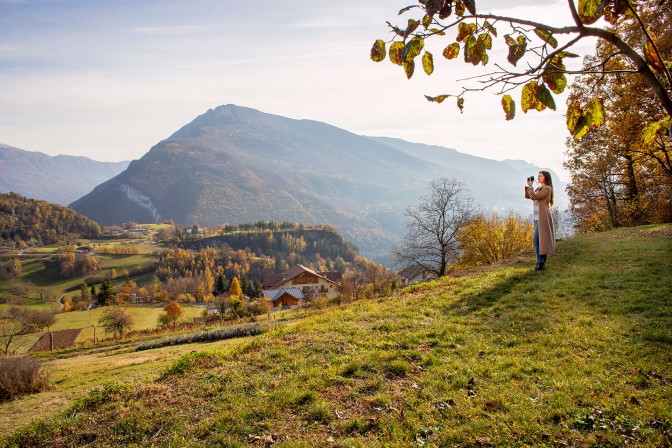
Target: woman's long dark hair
(549,182)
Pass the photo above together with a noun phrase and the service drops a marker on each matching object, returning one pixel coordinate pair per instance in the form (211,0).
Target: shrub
(20,375)
(238,331)
(101,395)
(192,360)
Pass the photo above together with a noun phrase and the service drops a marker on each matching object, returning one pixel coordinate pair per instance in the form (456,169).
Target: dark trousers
(535,241)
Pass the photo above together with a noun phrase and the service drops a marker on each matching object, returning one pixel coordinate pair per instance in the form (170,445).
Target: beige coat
(546,230)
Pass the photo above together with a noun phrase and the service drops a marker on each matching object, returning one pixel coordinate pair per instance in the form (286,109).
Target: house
(415,274)
(283,298)
(7,246)
(312,284)
(84,250)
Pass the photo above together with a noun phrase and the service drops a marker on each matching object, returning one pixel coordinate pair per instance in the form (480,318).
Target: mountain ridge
(33,174)
(234,164)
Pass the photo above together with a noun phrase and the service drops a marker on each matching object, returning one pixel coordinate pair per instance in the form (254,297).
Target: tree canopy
(42,222)
(537,54)
(622,175)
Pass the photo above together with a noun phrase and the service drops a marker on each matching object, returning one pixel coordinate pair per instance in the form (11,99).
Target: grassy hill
(578,355)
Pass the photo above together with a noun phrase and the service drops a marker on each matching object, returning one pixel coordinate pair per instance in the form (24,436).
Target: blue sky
(109,79)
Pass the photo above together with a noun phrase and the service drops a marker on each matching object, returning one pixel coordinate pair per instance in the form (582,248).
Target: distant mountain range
(60,179)
(235,164)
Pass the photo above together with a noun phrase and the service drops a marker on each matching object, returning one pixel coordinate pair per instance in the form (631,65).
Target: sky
(108,79)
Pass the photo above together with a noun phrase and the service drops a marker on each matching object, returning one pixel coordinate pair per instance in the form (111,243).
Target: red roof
(273,281)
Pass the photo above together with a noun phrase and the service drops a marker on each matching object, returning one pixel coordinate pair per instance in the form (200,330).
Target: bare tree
(431,242)
(33,320)
(10,329)
(115,320)
(354,283)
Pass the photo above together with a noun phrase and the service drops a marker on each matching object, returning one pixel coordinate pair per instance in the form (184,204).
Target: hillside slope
(60,179)
(23,219)
(578,355)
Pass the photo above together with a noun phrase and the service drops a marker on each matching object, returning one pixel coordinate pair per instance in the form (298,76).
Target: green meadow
(577,355)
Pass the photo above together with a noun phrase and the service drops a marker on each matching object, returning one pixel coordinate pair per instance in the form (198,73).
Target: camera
(530,179)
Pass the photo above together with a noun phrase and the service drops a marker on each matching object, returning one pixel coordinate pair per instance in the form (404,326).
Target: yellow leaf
(554,76)
(428,62)
(397,52)
(528,98)
(413,48)
(574,114)
(590,10)
(378,51)
(544,96)
(509,107)
(595,113)
(426,21)
(486,39)
(451,51)
(409,68)
(547,37)
(464,30)
(653,130)
(459,8)
(436,99)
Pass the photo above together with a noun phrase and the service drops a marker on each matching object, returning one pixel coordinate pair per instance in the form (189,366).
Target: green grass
(39,273)
(145,316)
(577,355)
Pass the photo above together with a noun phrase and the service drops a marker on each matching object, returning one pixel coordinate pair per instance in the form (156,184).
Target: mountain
(35,175)
(235,164)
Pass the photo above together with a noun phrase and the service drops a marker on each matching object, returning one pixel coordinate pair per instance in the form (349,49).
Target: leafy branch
(476,33)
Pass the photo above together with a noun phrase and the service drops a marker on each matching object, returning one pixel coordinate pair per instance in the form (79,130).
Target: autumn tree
(16,268)
(116,320)
(172,312)
(537,53)
(379,277)
(354,284)
(488,238)
(66,262)
(622,175)
(235,291)
(126,292)
(84,293)
(433,225)
(87,264)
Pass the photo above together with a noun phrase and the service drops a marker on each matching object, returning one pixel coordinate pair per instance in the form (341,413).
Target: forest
(35,223)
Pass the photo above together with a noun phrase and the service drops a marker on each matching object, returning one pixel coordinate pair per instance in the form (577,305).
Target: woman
(544,233)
